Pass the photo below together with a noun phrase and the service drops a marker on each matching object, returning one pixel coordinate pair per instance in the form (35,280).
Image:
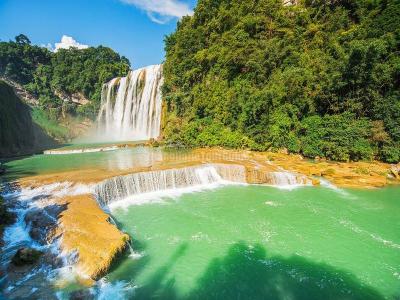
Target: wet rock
(26,256)
(395,171)
(2,170)
(81,295)
(55,210)
(42,221)
(27,283)
(52,259)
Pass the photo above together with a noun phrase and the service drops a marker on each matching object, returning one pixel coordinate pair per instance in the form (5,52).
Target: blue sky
(134,28)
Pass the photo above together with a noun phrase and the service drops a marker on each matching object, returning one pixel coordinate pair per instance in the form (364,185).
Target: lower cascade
(284,178)
(131,106)
(120,187)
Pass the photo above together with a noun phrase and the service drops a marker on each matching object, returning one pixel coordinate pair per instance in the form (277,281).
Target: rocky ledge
(86,229)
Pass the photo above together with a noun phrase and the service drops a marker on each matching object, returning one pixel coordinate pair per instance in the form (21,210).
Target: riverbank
(361,174)
(84,231)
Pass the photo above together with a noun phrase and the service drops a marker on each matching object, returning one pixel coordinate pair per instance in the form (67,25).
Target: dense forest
(49,75)
(320,78)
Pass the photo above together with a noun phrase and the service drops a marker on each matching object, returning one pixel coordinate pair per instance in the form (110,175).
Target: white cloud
(68,42)
(161,11)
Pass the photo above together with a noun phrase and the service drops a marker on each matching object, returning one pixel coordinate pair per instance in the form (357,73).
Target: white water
(149,184)
(286,180)
(17,235)
(148,187)
(131,106)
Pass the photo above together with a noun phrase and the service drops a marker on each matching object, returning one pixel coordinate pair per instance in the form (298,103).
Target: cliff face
(19,135)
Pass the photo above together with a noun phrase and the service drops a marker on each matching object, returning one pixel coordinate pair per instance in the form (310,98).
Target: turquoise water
(108,160)
(247,242)
(257,242)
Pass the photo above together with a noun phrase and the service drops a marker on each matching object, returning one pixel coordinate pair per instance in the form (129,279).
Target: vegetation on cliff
(319,78)
(19,133)
(48,75)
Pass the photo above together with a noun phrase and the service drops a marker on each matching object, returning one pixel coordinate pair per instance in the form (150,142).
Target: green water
(120,159)
(256,242)
(248,242)
(108,160)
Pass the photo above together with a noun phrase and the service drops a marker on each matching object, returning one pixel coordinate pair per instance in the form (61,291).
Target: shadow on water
(247,272)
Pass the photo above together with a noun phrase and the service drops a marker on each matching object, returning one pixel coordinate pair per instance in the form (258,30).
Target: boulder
(42,221)
(40,224)
(26,256)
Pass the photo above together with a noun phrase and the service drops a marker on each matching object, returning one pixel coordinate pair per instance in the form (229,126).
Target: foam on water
(162,195)
(119,290)
(17,234)
(353,227)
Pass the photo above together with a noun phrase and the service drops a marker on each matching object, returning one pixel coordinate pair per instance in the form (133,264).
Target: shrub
(338,137)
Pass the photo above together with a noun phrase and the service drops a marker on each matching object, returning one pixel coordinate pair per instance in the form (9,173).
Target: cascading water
(121,187)
(286,179)
(131,106)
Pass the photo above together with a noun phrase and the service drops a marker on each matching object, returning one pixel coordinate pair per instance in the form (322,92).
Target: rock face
(86,230)
(77,98)
(19,135)
(26,256)
(21,92)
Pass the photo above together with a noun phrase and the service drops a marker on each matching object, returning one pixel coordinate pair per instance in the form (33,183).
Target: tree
(22,39)
(268,71)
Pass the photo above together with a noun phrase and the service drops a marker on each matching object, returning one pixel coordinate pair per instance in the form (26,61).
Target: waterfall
(210,175)
(232,173)
(281,179)
(131,106)
(121,187)
(286,179)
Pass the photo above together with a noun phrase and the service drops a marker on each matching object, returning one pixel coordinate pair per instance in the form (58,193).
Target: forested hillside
(68,72)
(320,78)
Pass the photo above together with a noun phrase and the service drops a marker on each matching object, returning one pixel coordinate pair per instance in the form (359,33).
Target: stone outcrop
(26,256)
(86,230)
(21,92)
(77,98)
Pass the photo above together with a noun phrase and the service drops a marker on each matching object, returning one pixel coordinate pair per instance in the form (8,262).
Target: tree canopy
(321,78)
(47,74)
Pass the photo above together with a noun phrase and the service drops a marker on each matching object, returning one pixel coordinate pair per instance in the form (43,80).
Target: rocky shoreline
(74,234)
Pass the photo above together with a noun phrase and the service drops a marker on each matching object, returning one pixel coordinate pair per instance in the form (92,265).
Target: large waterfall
(131,106)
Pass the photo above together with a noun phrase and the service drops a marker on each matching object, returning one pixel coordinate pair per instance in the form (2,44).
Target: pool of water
(257,242)
(109,160)
(245,241)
